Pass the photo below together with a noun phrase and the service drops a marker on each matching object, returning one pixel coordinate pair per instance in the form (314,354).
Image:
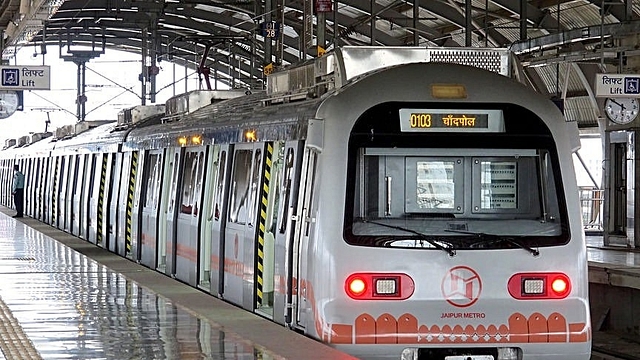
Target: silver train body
(416,211)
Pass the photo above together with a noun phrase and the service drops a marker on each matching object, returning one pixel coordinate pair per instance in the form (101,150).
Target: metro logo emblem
(461,286)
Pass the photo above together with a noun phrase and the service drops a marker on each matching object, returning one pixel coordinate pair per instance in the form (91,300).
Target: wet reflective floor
(598,253)
(56,303)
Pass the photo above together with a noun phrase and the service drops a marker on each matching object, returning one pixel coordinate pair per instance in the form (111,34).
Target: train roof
(227,120)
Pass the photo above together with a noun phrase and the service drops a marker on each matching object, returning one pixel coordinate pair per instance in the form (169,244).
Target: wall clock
(621,110)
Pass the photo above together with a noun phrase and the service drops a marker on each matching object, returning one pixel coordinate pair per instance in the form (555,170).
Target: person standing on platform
(18,191)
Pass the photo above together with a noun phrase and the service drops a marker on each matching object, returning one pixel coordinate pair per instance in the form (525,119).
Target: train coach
(390,202)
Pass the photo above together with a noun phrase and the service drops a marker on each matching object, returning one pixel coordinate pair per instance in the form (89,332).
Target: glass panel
(255,181)
(498,185)
(153,181)
(465,199)
(436,187)
(191,183)
(174,181)
(222,170)
(241,182)
(197,191)
(285,185)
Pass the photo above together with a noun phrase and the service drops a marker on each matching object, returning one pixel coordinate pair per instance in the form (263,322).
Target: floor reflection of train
(423,210)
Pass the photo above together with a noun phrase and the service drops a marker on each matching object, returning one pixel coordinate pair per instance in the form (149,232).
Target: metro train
(395,203)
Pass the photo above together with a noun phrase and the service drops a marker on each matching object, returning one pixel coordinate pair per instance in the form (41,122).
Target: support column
(81,98)
(80,57)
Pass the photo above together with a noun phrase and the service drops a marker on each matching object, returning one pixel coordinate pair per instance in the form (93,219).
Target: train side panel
(189,214)
(149,207)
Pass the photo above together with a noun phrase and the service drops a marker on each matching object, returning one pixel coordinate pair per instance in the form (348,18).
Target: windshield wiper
(430,239)
(485,238)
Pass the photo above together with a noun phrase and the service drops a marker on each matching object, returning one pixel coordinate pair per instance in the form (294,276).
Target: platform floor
(597,253)
(64,298)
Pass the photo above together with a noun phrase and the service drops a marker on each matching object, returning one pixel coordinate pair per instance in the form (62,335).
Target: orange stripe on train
(386,329)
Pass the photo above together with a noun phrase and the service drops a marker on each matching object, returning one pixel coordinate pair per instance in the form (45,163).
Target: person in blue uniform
(18,191)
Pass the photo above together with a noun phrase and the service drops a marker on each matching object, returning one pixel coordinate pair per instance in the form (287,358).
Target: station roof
(558,45)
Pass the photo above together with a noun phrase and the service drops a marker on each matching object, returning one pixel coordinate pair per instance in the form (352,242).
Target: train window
(153,181)
(275,189)
(240,186)
(285,185)
(433,185)
(197,191)
(92,172)
(222,170)
(255,181)
(191,182)
(75,175)
(498,184)
(60,174)
(457,196)
(174,181)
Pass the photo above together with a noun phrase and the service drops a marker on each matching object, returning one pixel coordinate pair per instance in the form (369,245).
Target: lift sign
(25,77)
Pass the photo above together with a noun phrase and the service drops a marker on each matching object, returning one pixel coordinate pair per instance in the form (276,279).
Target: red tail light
(536,286)
(379,286)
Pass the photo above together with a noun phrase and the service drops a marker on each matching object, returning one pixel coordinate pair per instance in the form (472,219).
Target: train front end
(461,234)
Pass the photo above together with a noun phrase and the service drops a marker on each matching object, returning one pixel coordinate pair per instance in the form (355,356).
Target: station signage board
(617,85)
(25,77)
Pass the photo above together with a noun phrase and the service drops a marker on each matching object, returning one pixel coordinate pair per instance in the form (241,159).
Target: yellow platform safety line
(54,199)
(14,341)
(263,219)
(103,180)
(132,187)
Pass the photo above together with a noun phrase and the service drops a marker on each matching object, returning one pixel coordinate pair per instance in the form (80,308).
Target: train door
(29,187)
(166,229)
(127,188)
(217,219)
(62,191)
(188,215)
(268,199)
(68,193)
(46,189)
(136,209)
(209,192)
(4,183)
(87,225)
(35,183)
(84,199)
(95,182)
(5,170)
(150,204)
(108,202)
(115,203)
(241,229)
(57,191)
(78,191)
(38,186)
(302,229)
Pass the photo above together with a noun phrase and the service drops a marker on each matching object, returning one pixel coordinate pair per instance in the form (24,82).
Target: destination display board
(451,120)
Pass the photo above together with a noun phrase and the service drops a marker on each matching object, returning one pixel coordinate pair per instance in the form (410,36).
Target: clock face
(621,110)
(8,103)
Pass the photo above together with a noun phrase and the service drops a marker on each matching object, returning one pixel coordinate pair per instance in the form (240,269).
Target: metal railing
(591,204)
